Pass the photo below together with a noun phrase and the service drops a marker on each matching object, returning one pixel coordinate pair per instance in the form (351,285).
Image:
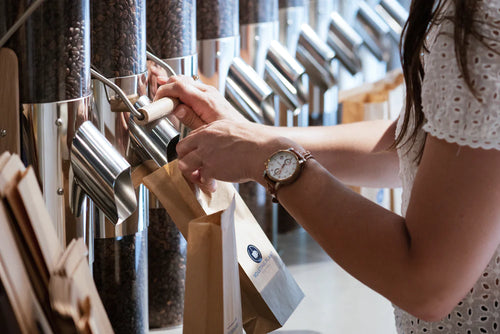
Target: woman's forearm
(357,153)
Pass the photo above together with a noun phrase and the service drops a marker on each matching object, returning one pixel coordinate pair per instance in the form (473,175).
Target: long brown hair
(423,15)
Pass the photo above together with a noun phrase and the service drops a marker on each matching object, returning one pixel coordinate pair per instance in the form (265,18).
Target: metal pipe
(20,22)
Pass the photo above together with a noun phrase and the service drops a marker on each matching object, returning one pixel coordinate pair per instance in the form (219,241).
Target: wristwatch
(282,168)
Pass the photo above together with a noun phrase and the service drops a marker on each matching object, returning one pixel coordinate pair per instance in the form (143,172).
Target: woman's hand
(228,151)
(201,104)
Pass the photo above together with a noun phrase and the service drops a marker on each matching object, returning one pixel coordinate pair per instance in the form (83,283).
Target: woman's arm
(425,263)
(356,153)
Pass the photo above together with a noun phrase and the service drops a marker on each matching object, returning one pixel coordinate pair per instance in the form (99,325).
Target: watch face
(282,166)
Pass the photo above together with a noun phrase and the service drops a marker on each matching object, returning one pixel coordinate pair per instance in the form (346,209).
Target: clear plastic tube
(119,37)
(53,47)
(217,19)
(171,28)
(258,11)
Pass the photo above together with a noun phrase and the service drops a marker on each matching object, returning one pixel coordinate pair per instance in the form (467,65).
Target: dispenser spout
(102,173)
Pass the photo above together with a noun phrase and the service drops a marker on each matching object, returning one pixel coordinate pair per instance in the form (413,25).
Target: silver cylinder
(319,16)
(256,38)
(215,58)
(249,93)
(47,133)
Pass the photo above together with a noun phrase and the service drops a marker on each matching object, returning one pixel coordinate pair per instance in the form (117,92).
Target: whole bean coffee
(120,275)
(217,19)
(53,48)
(258,11)
(119,37)
(171,28)
(291,3)
(167,270)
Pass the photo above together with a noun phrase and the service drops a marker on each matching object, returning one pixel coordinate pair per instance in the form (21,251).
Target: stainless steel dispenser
(376,35)
(292,14)
(120,251)
(322,67)
(55,95)
(346,43)
(171,36)
(395,15)
(218,39)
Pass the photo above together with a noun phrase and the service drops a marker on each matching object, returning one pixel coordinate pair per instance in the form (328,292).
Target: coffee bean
(171,27)
(217,19)
(258,11)
(167,270)
(48,56)
(120,275)
(291,3)
(118,34)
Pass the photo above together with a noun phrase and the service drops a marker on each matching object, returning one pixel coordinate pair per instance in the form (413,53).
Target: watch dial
(282,165)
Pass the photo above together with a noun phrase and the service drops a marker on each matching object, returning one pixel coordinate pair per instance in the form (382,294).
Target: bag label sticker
(265,272)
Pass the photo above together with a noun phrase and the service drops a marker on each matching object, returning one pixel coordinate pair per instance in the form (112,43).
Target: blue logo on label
(254,253)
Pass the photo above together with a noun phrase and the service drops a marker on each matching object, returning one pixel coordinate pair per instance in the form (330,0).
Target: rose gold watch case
(300,161)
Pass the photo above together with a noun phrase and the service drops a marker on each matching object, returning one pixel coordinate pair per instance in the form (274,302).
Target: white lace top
(453,114)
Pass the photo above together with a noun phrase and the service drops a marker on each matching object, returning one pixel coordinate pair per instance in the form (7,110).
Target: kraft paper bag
(212,303)
(269,293)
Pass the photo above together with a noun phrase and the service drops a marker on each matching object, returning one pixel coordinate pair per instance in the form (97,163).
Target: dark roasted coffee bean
(171,27)
(118,35)
(167,270)
(291,3)
(48,56)
(120,275)
(217,19)
(258,11)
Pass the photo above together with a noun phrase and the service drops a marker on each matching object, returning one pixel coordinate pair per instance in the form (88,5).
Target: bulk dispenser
(171,38)
(53,47)
(120,251)
(323,104)
(217,26)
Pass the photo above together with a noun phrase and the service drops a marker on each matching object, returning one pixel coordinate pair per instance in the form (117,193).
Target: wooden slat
(9,102)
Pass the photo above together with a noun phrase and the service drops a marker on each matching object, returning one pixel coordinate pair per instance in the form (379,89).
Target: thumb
(188,117)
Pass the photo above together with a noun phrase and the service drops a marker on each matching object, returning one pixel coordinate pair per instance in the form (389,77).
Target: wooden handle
(158,109)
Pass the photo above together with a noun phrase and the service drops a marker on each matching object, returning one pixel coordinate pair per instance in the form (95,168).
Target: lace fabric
(454,114)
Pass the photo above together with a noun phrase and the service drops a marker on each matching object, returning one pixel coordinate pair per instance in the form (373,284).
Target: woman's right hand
(201,104)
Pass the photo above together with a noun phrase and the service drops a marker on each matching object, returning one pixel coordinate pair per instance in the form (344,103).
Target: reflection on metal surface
(103,173)
(158,139)
(215,57)
(249,93)
(291,18)
(345,42)
(395,15)
(285,75)
(319,16)
(374,31)
(47,133)
(317,57)
(114,125)
(256,39)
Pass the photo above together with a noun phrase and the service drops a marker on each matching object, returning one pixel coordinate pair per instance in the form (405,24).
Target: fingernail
(163,78)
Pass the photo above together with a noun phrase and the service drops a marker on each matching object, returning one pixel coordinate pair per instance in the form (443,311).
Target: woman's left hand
(228,151)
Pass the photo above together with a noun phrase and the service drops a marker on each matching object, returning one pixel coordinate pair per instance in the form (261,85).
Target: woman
(439,263)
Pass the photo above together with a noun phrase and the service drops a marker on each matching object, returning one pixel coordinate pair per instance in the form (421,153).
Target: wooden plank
(9,102)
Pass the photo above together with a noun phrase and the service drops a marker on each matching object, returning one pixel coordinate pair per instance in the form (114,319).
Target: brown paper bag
(212,303)
(268,291)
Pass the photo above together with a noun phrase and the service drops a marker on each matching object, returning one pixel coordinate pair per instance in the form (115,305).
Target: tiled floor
(335,302)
